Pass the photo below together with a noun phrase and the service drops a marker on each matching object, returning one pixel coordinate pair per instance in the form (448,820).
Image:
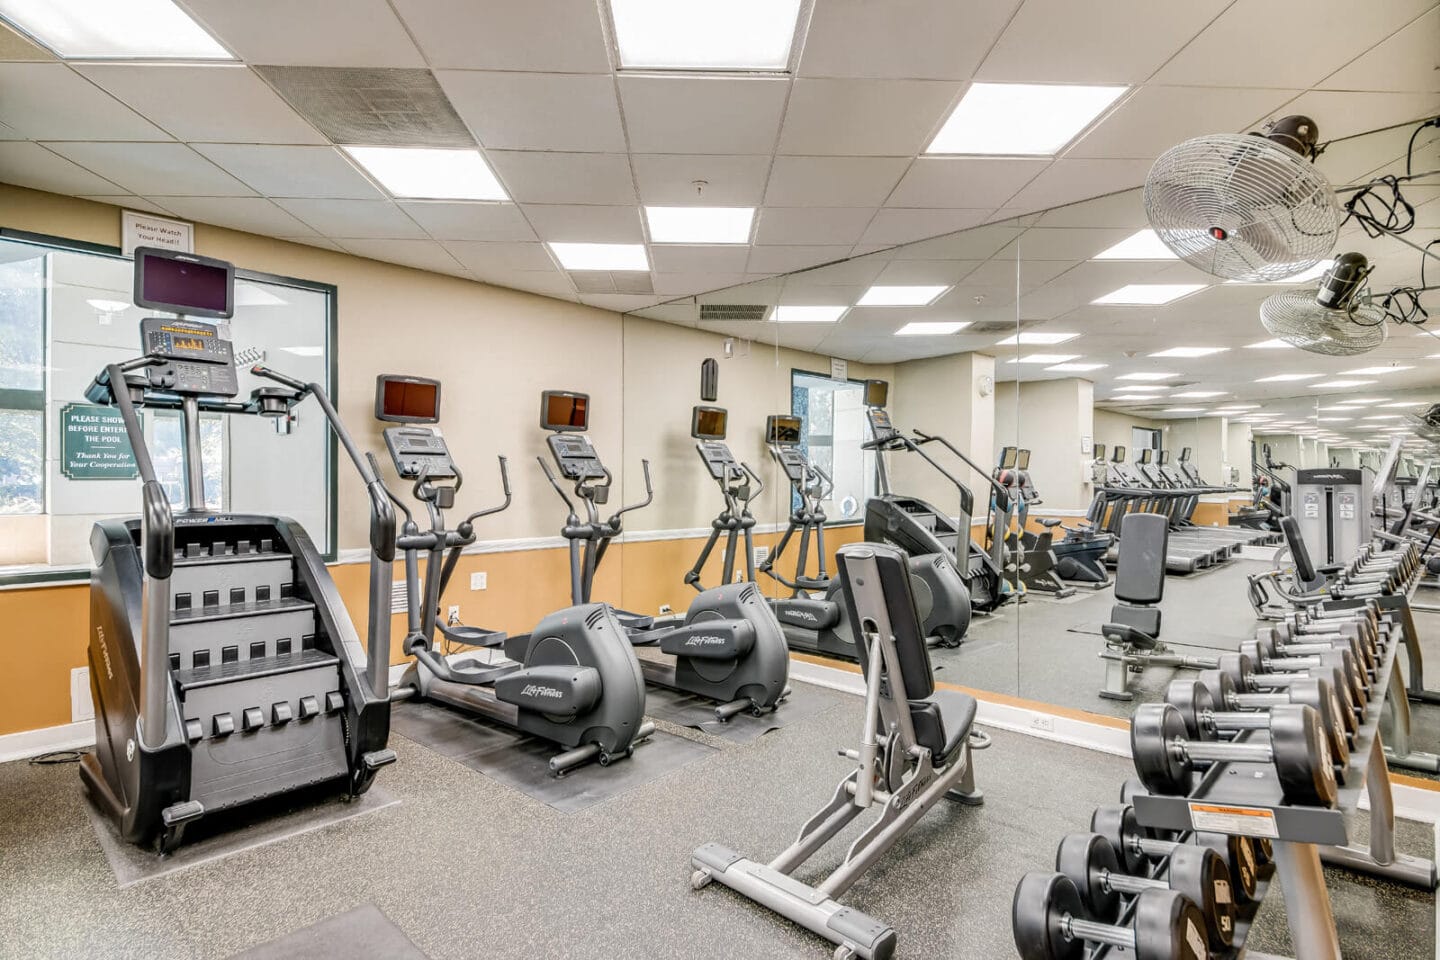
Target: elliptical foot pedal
(376,759)
(175,818)
(974,798)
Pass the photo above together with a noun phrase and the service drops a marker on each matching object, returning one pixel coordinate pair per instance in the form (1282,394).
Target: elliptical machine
(1029,555)
(223,665)
(727,648)
(573,681)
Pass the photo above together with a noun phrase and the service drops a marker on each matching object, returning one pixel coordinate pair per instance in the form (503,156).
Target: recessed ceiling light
(1302,276)
(1036,338)
(1270,345)
(1146,376)
(1149,294)
(1337,384)
(1076,367)
(1432,356)
(1199,394)
(421,173)
(601,256)
(734,35)
(924,328)
(1242,406)
(1382,416)
(1183,410)
(1143,245)
(1189,352)
(114,29)
(1045,358)
(700,224)
(1363,400)
(305,351)
(1288,377)
(109,306)
(1407,403)
(1142,388)
(1335,419)
(793,314)
(1027,119)
(896,296)
(1374,371)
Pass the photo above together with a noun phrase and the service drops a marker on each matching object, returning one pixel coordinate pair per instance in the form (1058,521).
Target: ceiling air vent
(733,311)
(999,326)
(374,107)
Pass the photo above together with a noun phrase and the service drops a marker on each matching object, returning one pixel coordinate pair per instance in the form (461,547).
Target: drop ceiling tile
(49,101)
(721,115)
(127,202)
(183,98)
(316,241)
(1117,41)
(571,223)
(812,225)
(154,169)
(1409,61)
(902,39)
(785,259)
(618,302)
(980,243)
(964,182)
(1057,243)
(845,273)
(796,291)
(420,254)
(563,36)
(1157,117)
(469,221)
(1238,48)
(31,165)
(901,225)
(1125,209)
(699,258)
(833,181)
(286,171)
(864,117)
(251,214)
(485,258)
(546,283)
(355,219)
(315,33)
(729,180)
(1066,181)
(927,271)
(533,177)
(691,284)
(1346,114)
(13,46)
(537,111)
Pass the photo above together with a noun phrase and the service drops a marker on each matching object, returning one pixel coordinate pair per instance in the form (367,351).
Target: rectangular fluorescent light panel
(1021,119)
(1276,344)
(1407,403)
(1380,416)
(113,29)
(421,173)
(1146,376)
(704,35)
(1076,367)
(1199,394)
(1374,371)
(601,256)
(920,328)
(1289,377)
(1144,245)
(1184,410)
(1045,358)
(1189,353)
(897,296)
(1149,294)
(1036,339)
(795,314)
(700,224)
(1337,384)
(1142,388)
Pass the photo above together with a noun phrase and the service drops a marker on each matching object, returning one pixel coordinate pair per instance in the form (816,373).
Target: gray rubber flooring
(466,867)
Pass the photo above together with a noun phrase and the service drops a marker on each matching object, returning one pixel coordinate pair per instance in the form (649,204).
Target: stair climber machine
(1028,554)
(1080,557)
(223,666)
(921,529)
(727,648)
(818,624)
(573,681)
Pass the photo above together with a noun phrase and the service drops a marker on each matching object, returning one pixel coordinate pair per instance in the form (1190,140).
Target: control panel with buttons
(201,361)
(575,456)
(419,451)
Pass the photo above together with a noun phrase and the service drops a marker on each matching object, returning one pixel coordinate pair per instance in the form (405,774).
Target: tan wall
(1112,428)
(1049,418)
(941,395)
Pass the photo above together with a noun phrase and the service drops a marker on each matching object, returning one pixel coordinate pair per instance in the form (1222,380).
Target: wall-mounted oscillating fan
(1337,320)
(1245,206)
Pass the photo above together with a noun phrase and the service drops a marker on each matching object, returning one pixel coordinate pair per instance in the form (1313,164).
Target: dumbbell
(1049,922)
(1210,706)
(1298,750)
(1271,646)
(1339,662)
(1197,873)
(1136,848)
(1369,611)
(1357,632)
(1133,788)
(1243,677)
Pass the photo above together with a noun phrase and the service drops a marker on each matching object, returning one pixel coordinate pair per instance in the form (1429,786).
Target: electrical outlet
(739,576)
(82,706)
(477,581)
(1043,722)
(665,610)
(453,616)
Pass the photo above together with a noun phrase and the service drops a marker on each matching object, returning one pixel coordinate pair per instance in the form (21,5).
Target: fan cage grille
(1301,322)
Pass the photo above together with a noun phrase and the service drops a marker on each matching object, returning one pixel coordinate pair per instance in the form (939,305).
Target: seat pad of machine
(942,722)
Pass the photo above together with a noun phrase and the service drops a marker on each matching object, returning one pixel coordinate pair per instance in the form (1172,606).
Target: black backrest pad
(1304,566)
(897,605)
(1140,572)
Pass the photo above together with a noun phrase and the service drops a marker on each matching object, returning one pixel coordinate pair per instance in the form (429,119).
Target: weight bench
(1272,599)
(1132,636)
(914,750)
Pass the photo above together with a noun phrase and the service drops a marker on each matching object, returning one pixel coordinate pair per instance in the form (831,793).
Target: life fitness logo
(705,640)
(536,690)
(104,651)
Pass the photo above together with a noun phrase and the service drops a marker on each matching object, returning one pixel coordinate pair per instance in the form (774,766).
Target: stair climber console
(223,665)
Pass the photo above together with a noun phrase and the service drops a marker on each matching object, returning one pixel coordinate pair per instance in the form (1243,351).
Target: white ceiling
(829,154)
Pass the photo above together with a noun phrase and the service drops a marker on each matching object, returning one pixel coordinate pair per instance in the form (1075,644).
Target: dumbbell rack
(1245,798)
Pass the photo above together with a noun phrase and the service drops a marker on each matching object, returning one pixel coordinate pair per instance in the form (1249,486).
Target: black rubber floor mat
(686,710)
(523,762)
(362,932)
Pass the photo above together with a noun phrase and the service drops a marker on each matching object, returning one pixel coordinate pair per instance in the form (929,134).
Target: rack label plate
(1240,821)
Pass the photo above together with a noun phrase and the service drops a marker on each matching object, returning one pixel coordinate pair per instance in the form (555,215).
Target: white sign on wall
(839,369)
(148,230)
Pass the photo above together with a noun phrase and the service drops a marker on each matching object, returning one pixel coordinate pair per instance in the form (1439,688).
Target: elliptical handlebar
(649,494)
(555,482)
(759,487)
(504,483)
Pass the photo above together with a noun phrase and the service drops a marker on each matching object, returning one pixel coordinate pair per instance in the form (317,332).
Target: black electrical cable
(1380,215)
(57,757)
(1410,148)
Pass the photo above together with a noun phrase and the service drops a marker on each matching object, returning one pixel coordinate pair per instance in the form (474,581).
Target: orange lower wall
(47,627)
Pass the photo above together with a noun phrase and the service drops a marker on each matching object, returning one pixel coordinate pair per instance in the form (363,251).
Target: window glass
(834,415)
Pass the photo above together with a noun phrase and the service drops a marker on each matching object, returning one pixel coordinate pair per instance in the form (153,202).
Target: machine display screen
(1145,455)
(877,392)
(407,399)
(708,423)
(184,283)
(1022,459)
(782,429)
(1099,451)
(1007,458)
(1119,455)
(562,411)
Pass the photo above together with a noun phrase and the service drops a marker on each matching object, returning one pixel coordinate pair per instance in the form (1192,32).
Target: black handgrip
(505,483)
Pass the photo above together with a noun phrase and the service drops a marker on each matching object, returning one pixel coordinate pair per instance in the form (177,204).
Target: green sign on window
(94,445)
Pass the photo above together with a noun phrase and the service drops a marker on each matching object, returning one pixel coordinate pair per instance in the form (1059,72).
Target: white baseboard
(33,743)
